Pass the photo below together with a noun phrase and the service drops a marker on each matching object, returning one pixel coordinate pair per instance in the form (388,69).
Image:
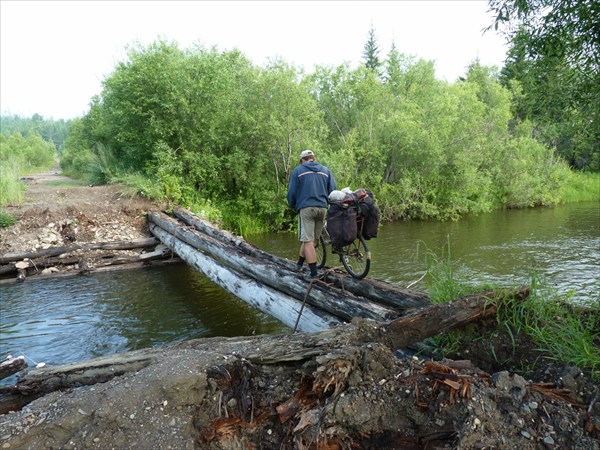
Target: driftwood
(345,306)
(55,251)
(36,267)
(369,288)
(11,366)
(274,349)
(168,260)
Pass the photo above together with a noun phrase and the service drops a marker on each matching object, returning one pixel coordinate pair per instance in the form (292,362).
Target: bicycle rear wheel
(356,258)
(321,250)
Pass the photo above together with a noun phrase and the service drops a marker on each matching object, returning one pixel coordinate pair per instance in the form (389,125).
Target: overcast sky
(54,55)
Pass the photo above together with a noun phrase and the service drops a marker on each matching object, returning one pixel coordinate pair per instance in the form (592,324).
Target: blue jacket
(310,185)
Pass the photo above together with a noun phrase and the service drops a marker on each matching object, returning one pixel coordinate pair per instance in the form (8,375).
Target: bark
(55,251)
(369,288)
(343,305)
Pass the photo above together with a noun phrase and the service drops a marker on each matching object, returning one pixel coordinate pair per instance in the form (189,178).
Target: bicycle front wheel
(356,258)
(321,252)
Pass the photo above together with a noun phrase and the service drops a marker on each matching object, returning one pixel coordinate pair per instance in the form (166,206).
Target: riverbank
(264,392)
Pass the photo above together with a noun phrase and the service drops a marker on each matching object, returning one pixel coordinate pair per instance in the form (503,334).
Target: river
(70,319)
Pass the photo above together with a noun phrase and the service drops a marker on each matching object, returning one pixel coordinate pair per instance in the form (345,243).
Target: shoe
(317,276)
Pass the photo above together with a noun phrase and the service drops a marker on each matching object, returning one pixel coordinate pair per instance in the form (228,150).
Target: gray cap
(306,154)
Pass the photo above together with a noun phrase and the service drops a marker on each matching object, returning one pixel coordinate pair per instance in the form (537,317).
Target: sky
(55,54)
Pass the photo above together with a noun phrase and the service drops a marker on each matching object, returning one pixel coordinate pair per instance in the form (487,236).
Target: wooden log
(275,303)
(372,289)
(55,251)
(38,382)
(444,317)
(11,366)
(30,268)
(121,265)
(270,349)
(344,306)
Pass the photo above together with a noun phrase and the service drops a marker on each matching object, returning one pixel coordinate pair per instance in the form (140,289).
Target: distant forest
(54,131)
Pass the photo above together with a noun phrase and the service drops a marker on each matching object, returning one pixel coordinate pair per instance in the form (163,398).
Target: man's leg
(307,236)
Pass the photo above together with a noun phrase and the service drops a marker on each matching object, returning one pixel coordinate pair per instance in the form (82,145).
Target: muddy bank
(303,391)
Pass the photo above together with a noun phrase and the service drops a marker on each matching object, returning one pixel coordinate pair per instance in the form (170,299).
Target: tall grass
(566,332)
(11,189)
(581,187)
(446,280)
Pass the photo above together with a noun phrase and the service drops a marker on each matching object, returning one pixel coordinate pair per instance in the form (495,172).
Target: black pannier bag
(341,225)
(371,214)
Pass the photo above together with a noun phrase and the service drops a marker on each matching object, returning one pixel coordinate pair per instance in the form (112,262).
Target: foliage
(11,189)
(21,156)
(205,125)
(371,52)
(553,64)
(567,332)
(580,187)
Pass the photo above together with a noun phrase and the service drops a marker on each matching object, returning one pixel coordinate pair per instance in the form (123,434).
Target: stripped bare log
(55,251)
(345,306)
(376,290)
(271,301)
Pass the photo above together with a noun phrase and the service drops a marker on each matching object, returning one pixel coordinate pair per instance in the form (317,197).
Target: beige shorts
(310,223)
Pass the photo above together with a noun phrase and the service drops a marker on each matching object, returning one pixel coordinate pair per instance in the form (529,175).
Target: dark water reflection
(65,320)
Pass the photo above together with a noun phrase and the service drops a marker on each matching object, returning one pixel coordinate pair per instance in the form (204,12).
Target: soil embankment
(301,391)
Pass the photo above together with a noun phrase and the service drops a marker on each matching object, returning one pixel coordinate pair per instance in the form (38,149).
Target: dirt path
(54,203)
(218,394)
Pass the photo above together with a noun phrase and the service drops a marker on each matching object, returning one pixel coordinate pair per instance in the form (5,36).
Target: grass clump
(11,189)
(581,187)
(561,329)
(6,219)
(566,331)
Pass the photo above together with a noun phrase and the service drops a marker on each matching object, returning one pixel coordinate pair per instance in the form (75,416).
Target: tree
(371,52)
(555,56)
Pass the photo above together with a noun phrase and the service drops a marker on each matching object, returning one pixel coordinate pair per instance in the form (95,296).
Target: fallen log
(11,366)
(55,251)
(344,306)
(369,288)
(38,382)
(268,349)
(107,267)
(271,301)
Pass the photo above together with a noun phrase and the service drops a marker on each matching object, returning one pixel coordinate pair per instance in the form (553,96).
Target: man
(310,185)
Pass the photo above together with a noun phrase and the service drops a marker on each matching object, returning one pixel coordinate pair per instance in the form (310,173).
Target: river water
(70,319)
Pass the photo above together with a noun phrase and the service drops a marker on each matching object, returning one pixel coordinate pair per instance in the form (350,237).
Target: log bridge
(273,284)
(398,317)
